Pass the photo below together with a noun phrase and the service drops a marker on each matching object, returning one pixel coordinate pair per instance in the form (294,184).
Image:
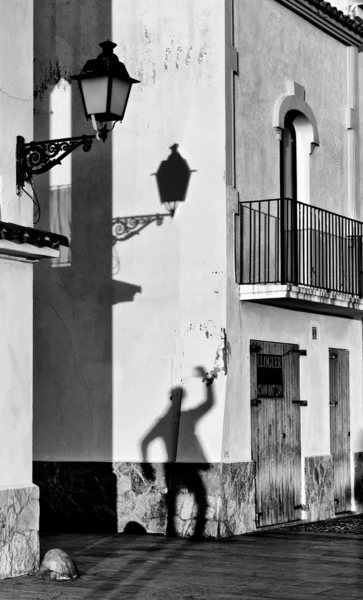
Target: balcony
(299,256)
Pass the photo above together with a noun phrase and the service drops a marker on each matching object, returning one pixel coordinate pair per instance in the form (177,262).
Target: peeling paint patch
(147,36)
(206,328)
(222,355)
(202,55)
(188,56)
(179,50)
(139,74)
(50,76)
(167,55)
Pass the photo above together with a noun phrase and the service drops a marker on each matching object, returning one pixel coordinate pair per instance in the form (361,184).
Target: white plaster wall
(16,322)
(16,102)
(273,324)
(275,46)
(176,323)
(16,118)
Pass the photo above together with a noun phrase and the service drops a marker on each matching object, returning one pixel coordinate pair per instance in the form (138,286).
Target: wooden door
(340,427)
(276,440)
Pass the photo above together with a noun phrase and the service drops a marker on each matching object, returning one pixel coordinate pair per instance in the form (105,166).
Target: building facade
(246,122)
(21,245)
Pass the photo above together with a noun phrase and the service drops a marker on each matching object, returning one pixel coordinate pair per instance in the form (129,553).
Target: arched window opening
(296,140)
(296,143)
(289,158)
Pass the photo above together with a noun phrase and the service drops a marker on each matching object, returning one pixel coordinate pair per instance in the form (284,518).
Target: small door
(340,427)
(275,421)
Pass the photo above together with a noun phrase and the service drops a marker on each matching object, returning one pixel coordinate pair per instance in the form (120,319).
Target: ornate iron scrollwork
(125,227)
(38,157)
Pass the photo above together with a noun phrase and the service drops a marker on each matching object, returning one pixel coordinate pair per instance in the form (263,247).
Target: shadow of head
(134,528)
(176,395)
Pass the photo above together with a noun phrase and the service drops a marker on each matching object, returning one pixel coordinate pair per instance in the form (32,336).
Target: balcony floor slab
(307,299)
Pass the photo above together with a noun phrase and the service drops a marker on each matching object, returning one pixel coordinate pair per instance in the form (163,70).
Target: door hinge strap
(255,347)
(301,402)
(255,402)
(301,507)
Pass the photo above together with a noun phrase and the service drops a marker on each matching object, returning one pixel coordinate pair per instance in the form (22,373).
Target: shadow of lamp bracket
(105,87)
(172,179)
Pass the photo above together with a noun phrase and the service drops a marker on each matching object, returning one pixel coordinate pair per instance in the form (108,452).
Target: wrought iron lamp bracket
(34,158)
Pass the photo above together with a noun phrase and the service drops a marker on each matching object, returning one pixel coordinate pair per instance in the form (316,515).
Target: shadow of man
(177,430)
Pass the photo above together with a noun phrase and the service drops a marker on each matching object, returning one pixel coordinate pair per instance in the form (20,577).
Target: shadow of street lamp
(172,177)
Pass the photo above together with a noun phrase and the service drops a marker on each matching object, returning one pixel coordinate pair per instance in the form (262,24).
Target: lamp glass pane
(120,91)
(95,94)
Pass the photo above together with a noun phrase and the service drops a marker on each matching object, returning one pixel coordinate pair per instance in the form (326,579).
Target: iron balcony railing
(285,241)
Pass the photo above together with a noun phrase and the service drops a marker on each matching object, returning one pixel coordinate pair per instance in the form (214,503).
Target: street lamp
(105,87)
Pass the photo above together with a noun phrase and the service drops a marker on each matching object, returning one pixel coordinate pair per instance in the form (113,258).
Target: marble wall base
(139,499)
(238,499)
(358,481)
(76,496)
(229,491)
(319,487)
(19,525)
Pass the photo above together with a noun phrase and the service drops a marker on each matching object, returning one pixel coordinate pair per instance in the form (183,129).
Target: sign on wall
(269,376)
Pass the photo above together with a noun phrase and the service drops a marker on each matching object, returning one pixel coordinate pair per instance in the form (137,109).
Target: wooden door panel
(340,427)
(276,444)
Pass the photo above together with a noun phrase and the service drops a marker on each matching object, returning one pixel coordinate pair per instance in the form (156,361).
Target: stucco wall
(73,304)
(16,118)
(16,103)
(89,336)
(176,322)
(286,326)
(16,372)
(275,45)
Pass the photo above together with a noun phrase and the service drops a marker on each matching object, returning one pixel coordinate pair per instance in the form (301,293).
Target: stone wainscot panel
(319,487)
(19,526)
(238,499)
(229,489)
(358,481)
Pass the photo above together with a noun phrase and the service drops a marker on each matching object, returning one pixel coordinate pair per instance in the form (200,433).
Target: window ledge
(27,251)
(31,244)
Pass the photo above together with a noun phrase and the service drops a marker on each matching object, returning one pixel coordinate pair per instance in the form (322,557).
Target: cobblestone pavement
(280,564)
(349,524)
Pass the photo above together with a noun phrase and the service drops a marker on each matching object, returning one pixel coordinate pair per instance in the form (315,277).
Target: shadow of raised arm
(208,379)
